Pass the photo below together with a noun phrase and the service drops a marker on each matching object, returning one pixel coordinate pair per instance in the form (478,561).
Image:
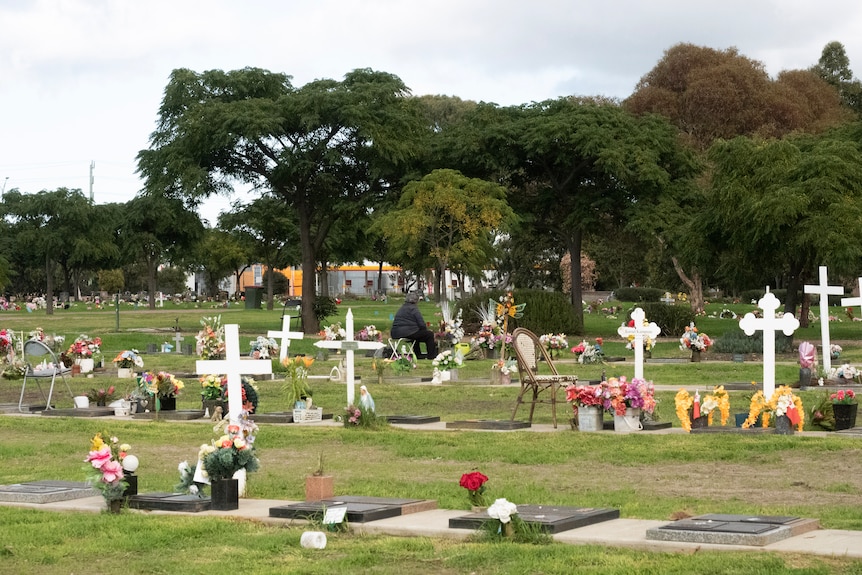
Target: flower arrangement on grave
(649,342)
(835,350)
(212,387)
(727,314)
(843,397)
(102,396)
(618,394)
(128,359)
(694,340)
(845,371)
(334,332)
(379,365)
(506,513)
(187,483)
(506,366)
(447,360)
(249,391)
(821,413)
(84,347)
(106,466)
(403,361)
(162,384)
(782,402)
(584,396)
(807,355)
(231,452)
(554,342)
(263,347)
(7,343)
(210,339)
(474,483)
(368,333)
(451,331)
(589,353)
(717,400)
(296,383)
(363,413)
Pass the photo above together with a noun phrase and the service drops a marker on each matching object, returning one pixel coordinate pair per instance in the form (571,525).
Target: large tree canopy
(325,149)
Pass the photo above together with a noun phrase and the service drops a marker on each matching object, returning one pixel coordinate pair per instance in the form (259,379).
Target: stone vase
(804,376)
(87,364)
(845,415)
(695,355)
(225,494)
(319,487)
(124,372)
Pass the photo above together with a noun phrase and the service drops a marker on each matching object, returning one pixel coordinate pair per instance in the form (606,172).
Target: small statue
(217,414)
(366,402)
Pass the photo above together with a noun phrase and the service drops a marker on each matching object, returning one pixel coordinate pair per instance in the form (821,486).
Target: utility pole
(3,191)
(92,167)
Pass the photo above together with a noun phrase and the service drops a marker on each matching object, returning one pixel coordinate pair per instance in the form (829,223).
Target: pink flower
(100,458)
(112,471)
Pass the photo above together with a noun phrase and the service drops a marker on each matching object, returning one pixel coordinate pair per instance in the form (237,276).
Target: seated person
(409,324)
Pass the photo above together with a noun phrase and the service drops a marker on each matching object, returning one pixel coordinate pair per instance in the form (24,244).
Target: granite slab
(552,519)
(45,491)
(492,424)
(170,502)
(412,419)
(360,509)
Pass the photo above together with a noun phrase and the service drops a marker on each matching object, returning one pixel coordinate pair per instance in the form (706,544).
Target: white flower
(502,510)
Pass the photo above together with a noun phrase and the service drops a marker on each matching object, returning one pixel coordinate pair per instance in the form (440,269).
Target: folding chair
(41,363)
(400,347)
(528,349)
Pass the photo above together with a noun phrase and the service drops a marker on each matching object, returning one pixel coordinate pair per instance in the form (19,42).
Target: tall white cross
(286,335)
(178,338)
(639,330)
(825,290)
(768,324)
(349,345)
(234,367)
(161,299)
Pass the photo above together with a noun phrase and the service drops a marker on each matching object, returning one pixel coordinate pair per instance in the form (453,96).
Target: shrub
(755,294)
(638,294)
(735,341)
(324,307)
(672,319)
(546,311)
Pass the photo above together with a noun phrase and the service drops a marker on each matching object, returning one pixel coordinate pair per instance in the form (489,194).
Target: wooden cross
(639,331)
(286,335)
(234,367)
(349,345)
(178,338)
(825,290)
(768,324)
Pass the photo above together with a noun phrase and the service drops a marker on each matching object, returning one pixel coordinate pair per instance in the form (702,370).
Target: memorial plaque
(170,502)
(80,412)
(175,415)
(412,419)
(552,519)
(359,509)
(728,529)
(45,491)
(492,424)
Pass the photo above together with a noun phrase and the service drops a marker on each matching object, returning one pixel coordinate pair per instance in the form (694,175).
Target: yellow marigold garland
(683,402)
(759,406)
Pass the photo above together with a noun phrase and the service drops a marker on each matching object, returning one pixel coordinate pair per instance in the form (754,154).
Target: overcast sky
(81,80)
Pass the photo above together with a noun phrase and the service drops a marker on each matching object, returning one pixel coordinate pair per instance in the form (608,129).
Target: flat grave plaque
(359,509)
(45,491)
(770,519)
(550,518)
(719,528)
(172,415)
(170,502)
(80,412)
(412,419)
(492,424)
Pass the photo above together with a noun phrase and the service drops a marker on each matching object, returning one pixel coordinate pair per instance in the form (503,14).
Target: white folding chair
(41,363)
(401,346)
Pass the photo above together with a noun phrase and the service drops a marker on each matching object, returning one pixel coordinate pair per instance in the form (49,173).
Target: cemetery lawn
(645,475)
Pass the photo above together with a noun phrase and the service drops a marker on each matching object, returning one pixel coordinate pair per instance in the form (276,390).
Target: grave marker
(177,339)
(639,330)
(768,324)
(234,367)
(549,518)
(851,302)
(824,290)
(349,346)
(286,335)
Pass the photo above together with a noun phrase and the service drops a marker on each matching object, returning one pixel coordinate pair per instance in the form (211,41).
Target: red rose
(473,481)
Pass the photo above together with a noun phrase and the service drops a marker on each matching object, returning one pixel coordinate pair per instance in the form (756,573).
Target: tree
(449,217)
(157,228)
(834,68)
(326,149)
(220,253)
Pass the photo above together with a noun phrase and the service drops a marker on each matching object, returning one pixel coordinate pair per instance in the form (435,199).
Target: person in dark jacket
(409,324)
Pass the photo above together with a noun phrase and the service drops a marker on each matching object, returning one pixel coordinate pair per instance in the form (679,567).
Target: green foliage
(280,282)
(754,295)
(545,312)
(324,307)
(638,294)
(111,281)
(735,341)
(224,462)
(672,319)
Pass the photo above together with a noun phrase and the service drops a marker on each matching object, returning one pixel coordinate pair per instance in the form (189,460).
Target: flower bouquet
(584,396)
(506,513)
(844,408)
(693,340)
(845,371)
(835,350)
(334,332)
(618,394)
(212,387)
(782,403)
(128,359)
(447,360)
(451,331)
(101,396)
(587,353)
(296,383)
(163,384)
(210,339)
(554,343)
(474,483)
(369,333)
(84,347)
(685,406)
(231,452)
(843,397)
(106,466)
(263,347)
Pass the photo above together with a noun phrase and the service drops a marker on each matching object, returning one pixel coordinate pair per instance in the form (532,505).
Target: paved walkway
(629,533)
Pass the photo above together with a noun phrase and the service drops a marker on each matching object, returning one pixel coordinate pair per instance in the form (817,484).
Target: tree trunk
(573,243)
(694,285)
(324,279)
(309,261)
(440,282)
(151,283)
(803,313)
(794,285)
(49,286)
(270,283)
(380,277)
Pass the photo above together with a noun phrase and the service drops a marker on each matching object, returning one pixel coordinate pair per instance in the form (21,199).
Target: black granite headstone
(359,509)
(552,519)
(170,502)
(492,424)
(412,419)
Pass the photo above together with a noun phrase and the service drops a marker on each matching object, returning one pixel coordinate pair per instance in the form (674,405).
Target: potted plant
(695,341)
(446,365)
(587,353)
(224,458)
(84,351)
(212,393)
(587,406)
(126,361)
(102,396)
(844,407)
(296,387)
(164,386)
(317,485)
(107,474)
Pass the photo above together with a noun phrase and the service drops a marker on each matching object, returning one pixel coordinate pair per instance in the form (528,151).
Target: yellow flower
(683,402)
(97,442)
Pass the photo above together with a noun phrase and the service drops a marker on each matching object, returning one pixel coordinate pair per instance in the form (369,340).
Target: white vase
(446,375)
(87,364)
(82,402)
(124,372)
(241,476)
(628,423)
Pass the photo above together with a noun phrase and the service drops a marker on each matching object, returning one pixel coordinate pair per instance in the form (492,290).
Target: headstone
(411,419)
(824,290)
(551,519)
(359,509)
(234,367)
(151,348)
(80,412)
(286,336)
(492,424)
(170,502)
(45,491)
(349,345)
(768,324)
(733,529)
(639,330)
(172,414)
(187,349)
(161,299)
(178,338)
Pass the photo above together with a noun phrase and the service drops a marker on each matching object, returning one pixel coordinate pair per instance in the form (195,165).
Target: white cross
(178,338)
(852,301)
(639,331)
(349,345)
(768,324)
(825,290)
(161,299)
(286,335)
(235,367)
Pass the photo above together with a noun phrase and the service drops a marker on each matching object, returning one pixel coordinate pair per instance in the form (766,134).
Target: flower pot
(590,418)
(76,369)
(741,417)
(695,355)
(845,415)
(804,376)
(492,354)
(115,506)
(508,529)
(783,425)
(319,487)
(210,405)
(628,423)
(87,364)
(225,494)
(167,403)
(125,372)
(81,401)
(700,422)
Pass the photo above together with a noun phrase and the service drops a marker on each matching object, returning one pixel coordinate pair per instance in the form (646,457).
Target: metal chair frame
(37,349)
